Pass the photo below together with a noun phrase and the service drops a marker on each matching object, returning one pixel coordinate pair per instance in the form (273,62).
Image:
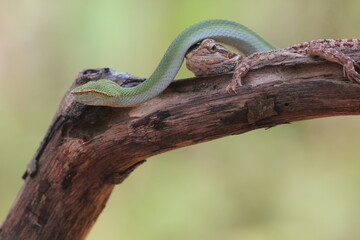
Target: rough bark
(89,149)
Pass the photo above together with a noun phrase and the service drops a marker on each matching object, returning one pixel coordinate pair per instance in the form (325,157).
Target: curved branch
(89,149)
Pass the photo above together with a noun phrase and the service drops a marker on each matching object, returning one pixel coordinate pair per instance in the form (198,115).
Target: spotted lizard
(209,57)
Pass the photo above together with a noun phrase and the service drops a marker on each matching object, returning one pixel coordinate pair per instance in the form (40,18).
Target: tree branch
(89,149)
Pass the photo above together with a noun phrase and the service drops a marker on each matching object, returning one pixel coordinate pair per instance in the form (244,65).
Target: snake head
(97,93)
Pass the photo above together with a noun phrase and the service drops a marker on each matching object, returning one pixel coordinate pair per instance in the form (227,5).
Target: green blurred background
(297,181)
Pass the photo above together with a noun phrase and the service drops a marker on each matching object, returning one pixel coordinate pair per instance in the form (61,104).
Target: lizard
(105,92)
(211,58)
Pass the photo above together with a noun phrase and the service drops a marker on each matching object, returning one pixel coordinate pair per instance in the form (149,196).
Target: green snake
(108,93)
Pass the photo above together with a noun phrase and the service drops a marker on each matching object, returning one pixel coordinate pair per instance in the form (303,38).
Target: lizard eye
(212,48)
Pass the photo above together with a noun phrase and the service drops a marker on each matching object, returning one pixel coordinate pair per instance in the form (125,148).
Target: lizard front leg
(257,60)
(241,69)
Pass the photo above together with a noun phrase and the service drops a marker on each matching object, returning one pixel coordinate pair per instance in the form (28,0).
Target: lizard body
(332,50)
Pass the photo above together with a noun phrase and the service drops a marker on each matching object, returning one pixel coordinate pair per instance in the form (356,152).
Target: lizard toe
(231,88)
(353,76)
(350,72)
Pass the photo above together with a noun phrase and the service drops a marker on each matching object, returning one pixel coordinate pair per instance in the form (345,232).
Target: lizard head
(210,58)
(97,93)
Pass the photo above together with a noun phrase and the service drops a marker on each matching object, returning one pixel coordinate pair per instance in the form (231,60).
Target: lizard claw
(231,88)
(350,72)
(352,76)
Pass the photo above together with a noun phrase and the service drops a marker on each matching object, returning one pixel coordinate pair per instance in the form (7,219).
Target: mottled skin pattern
(329,49)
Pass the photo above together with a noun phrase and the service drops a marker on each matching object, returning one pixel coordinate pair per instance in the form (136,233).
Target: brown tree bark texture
(89,149)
